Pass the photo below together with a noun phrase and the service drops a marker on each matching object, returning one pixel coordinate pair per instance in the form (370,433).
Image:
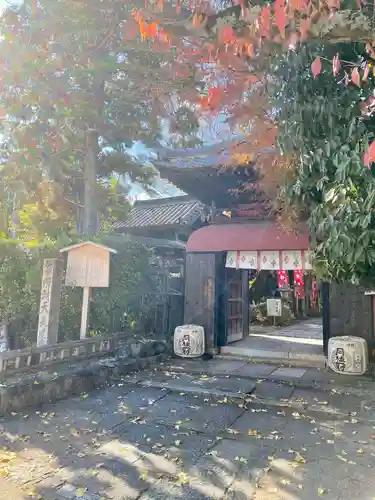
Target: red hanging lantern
(298,283)
(282,279)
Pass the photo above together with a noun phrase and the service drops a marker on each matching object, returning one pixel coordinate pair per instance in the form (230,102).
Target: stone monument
(49,310)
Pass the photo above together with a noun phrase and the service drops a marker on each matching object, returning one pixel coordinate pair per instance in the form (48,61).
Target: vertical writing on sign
(49,302)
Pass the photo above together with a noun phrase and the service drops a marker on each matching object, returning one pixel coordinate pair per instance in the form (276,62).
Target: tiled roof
(196,158)
(181,210)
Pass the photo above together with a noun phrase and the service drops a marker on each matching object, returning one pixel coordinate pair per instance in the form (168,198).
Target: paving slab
(164,489)
(319,401)
(272,390)
(254,370)
(311,480)
(210,385)
(158,447)
(202,414)
(225,384)
(288,373)
(212,367)
(167,375)
(244,454)
(261,352)
(259,426)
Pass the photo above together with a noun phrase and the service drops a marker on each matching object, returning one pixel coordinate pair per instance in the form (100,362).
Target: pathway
(309,329)
(301,341)
(169,435)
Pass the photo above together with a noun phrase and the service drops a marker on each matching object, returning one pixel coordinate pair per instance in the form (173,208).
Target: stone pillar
(4,338)
(49,310)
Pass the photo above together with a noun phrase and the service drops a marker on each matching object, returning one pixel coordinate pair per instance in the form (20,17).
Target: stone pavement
(311,328)
(319,378)
(300,344)
(226,437)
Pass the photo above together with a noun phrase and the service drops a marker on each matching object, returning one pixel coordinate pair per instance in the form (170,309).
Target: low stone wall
(57,380)
(33,357)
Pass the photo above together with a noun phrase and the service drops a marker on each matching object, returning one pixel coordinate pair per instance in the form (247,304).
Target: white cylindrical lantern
(189,341)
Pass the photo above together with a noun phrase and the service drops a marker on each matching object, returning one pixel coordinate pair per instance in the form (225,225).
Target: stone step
(262,395)
(298,359)
(230,387)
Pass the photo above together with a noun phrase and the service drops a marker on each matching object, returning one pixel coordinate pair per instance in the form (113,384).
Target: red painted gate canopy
(246,236)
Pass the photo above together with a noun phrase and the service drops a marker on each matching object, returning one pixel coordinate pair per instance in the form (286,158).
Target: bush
(113,309)
(259,314)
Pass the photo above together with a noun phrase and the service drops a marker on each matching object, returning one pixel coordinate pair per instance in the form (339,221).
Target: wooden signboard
(87,267)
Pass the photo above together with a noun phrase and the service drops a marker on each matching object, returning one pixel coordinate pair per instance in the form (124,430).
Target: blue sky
(4,3)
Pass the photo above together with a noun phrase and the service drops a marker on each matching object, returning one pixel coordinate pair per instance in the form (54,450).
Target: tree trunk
(90,215)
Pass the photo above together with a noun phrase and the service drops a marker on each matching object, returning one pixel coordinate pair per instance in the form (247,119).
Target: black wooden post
(245,302)
(326,320)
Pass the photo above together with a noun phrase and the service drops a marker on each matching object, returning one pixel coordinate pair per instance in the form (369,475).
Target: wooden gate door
(237,307)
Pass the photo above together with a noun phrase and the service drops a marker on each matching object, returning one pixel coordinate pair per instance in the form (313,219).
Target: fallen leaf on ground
(4,472)
(143,475)
(183,479)
(80,492)
(252,432)
(321,491)
(284,481)
(92,473)
(34,494)
(221,401)
(300,459)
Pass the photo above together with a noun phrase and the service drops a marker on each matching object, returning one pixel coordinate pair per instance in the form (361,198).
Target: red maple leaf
(336,65)
(356,79)
(316,67)
(227,35)
(366,73)
(366,159)
(371,151)
(304,26)
(280,18)
(265,18)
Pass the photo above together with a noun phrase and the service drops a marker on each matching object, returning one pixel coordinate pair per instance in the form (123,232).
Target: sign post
(274,308)
(87,267)
(85,311)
